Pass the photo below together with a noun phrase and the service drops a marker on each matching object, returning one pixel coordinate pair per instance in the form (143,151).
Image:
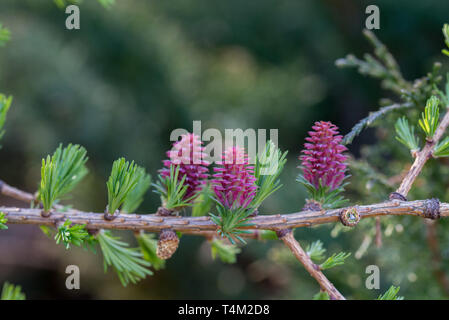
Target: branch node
(432,209)
(397,196)
(45,214)
(349,217)
(254,214)
(161,211)
(109,217)
(93,232)
(59,222)
(282,233)
(312,205)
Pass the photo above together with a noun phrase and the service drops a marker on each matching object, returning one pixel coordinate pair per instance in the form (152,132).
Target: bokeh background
(134,72)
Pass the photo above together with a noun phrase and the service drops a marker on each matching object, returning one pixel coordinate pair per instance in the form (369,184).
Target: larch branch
(406,185)
(314,270)
(422,158)
(155,223)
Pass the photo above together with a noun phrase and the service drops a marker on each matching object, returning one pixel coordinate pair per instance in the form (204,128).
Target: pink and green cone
(323,161)
(234,181)
(188,155)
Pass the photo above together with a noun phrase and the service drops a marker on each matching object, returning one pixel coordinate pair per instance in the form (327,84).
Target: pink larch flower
(234,181)
(188,155)
(323,158)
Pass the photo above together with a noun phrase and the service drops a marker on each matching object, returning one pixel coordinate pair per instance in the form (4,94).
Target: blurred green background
(134,72)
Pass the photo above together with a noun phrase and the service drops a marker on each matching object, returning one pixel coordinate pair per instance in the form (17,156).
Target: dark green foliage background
(134,73)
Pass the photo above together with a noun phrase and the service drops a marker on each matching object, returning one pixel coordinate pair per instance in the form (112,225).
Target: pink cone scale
(234,182)
(323,158)
(188,155)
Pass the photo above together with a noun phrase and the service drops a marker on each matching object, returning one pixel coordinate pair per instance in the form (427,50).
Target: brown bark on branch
(155,223)
(289,240)
(203,226)
(283,224)
(422,158)
(15,193)
(405,187)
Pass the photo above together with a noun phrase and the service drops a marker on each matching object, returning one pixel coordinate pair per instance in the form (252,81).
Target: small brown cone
(167,244)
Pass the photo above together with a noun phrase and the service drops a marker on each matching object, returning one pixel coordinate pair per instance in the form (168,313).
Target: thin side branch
(289,240)
(422,158)
(405,187)
(15,193)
